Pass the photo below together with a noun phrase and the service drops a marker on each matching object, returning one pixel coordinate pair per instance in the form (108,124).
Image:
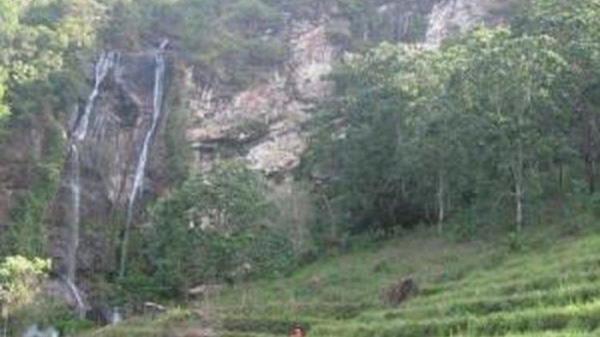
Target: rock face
(264,124)
(449,17)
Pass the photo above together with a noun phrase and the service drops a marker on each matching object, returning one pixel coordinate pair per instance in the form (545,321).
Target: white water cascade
(116,317)
(73,241)
(140,172)
(75,186)
(103,66)
(450,15)
(35,331)
(78,299)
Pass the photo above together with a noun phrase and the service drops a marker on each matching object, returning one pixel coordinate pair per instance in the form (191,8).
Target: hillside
(362,168)
(547,287)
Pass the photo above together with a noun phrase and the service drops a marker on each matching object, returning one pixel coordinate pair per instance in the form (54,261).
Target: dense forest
(493,132)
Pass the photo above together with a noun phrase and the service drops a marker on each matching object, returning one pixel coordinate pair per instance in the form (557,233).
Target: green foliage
(212,230)
(47,312)
(19,279)
(237,41)
(466,289)
(251,16)
(373,22)
(27,236)
(38,43)
(41,44)
(234,41)
(476,126)
(4,110)
(179,152)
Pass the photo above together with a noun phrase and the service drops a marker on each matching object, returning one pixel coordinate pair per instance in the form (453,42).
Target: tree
(437,126)
(252,17)
(575,25)
(511,82)
(423,128)
(9,17)
(212,228)
(365,158)
(4,111)
(19,281)
(9,21)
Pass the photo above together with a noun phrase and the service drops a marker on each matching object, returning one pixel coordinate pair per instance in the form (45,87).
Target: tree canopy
(478,125)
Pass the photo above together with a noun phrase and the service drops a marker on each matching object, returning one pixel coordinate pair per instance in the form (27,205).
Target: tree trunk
(440,201)
(5,327)
(590,169)
(123,256)
(519,190)
(588,148)
(519,204)
(332,220)
(561,177)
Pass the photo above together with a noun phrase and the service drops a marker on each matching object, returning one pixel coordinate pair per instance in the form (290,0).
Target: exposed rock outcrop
(264,123)
(449,17)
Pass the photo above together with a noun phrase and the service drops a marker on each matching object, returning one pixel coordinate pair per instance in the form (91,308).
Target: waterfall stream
(438,19)
(102,68)
(140,172)
(75,186)
(78,299)
(78,147)
(448,16)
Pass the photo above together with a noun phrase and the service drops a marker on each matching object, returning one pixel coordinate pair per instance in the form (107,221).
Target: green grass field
(549,288)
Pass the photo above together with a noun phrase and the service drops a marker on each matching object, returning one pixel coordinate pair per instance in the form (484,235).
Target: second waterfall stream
(140,172)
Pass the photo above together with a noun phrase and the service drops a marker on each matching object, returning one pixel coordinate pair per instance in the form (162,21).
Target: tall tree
(510,81)
(575,25)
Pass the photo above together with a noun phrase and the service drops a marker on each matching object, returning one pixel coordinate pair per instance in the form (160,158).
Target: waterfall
(35,331)
(448,16)
(116,317)
(80,130)
(140,172)
(77,296)
(75,186)
(138,182)
(437,29)
(103,66)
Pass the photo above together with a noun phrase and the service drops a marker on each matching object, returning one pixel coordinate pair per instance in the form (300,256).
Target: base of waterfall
(65,291)
(35,331)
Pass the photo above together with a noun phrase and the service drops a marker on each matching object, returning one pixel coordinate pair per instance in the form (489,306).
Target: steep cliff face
(264,124)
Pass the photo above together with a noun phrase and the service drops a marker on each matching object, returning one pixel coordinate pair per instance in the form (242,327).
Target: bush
(212,230)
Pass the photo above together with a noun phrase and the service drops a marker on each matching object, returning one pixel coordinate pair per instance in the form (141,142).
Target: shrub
(212,230)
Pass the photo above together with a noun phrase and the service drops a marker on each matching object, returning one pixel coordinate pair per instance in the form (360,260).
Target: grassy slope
(551,288)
